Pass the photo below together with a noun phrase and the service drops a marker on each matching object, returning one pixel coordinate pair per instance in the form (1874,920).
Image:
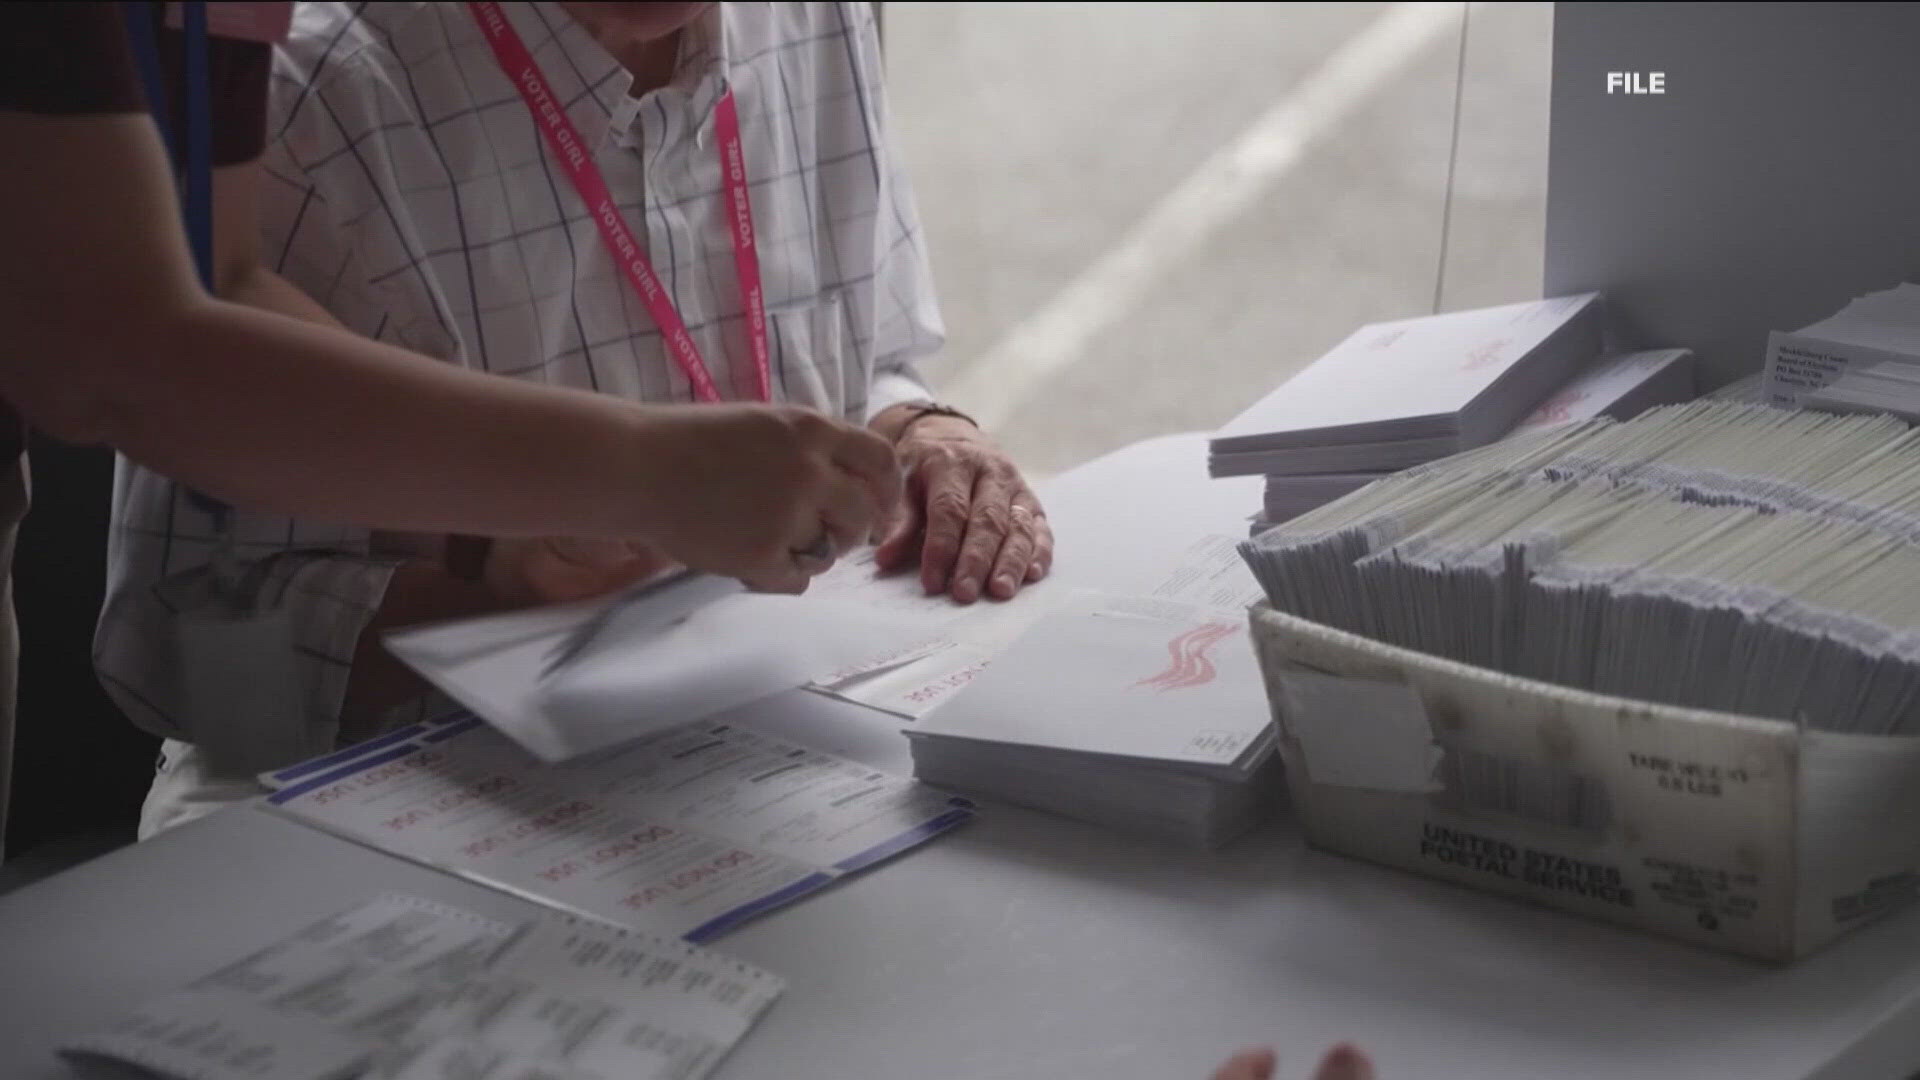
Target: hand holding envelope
(562,569)
(563,681)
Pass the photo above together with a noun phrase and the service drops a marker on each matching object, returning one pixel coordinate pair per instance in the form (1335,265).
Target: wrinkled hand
(967,512)
(554,570)
(739,489)
(1343,1062)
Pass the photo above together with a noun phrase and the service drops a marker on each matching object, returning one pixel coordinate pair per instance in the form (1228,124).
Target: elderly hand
(553,570)
(977,527)
(1343,1062)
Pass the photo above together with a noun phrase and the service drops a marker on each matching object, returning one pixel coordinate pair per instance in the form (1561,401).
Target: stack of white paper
(412,989)
(1621,386)
(1880,328)
(1723,556)
(1290,496)
(1399,393)
(949,645)
(1142,714)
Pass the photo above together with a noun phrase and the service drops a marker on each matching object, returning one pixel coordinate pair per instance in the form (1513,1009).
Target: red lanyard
(571,151)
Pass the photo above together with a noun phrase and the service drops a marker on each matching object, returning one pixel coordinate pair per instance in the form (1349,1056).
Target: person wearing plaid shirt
(408,191)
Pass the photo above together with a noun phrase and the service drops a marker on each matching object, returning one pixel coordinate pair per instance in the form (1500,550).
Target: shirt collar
(700,71)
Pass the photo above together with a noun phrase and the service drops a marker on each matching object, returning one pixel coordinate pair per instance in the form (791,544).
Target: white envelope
(658,668)
(676,654)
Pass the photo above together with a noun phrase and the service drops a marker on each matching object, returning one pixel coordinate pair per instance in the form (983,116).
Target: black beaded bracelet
(922,410)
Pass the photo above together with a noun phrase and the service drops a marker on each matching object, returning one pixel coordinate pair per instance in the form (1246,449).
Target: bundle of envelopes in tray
(1716,555)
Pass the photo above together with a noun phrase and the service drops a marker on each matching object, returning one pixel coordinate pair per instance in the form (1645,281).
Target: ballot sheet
(577,1000)
(688,833)
(408,988)
(314,1006)
(949,645)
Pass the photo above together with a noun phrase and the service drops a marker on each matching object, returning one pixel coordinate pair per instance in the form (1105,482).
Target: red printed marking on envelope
(1559,408)
(1483,355)
(1188,664)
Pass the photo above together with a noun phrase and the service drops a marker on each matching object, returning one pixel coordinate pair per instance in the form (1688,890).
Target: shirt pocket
(815,358)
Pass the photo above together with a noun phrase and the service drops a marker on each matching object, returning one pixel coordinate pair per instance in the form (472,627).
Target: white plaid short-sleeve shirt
(412,194)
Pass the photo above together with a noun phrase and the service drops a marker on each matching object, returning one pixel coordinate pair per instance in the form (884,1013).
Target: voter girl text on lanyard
(576,158)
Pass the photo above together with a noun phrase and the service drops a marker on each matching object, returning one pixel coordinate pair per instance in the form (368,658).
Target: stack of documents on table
(1142,714)
(1291,496)
(1618,387)
(1854,360)
(1723,556)
(1621,387)
(1400,393)
(950,645)
(690,832)
(400,988)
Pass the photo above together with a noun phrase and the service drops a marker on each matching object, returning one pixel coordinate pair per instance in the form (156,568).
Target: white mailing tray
(1744,834)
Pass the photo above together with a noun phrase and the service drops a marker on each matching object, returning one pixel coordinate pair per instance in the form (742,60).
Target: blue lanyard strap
(199,143)
(193,154)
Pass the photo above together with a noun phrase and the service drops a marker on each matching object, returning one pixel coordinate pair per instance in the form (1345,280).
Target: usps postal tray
(1745,834)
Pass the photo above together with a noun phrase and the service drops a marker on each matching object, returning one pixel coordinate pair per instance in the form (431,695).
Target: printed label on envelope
(1360,733)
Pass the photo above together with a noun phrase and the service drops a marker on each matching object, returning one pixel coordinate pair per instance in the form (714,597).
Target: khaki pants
(186,786)
(185,789)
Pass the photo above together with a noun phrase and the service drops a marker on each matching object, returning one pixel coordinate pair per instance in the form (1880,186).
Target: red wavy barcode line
(1188,664)
(1199,668)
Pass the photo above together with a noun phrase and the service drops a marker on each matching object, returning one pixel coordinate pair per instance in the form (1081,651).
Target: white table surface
(1033,947)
